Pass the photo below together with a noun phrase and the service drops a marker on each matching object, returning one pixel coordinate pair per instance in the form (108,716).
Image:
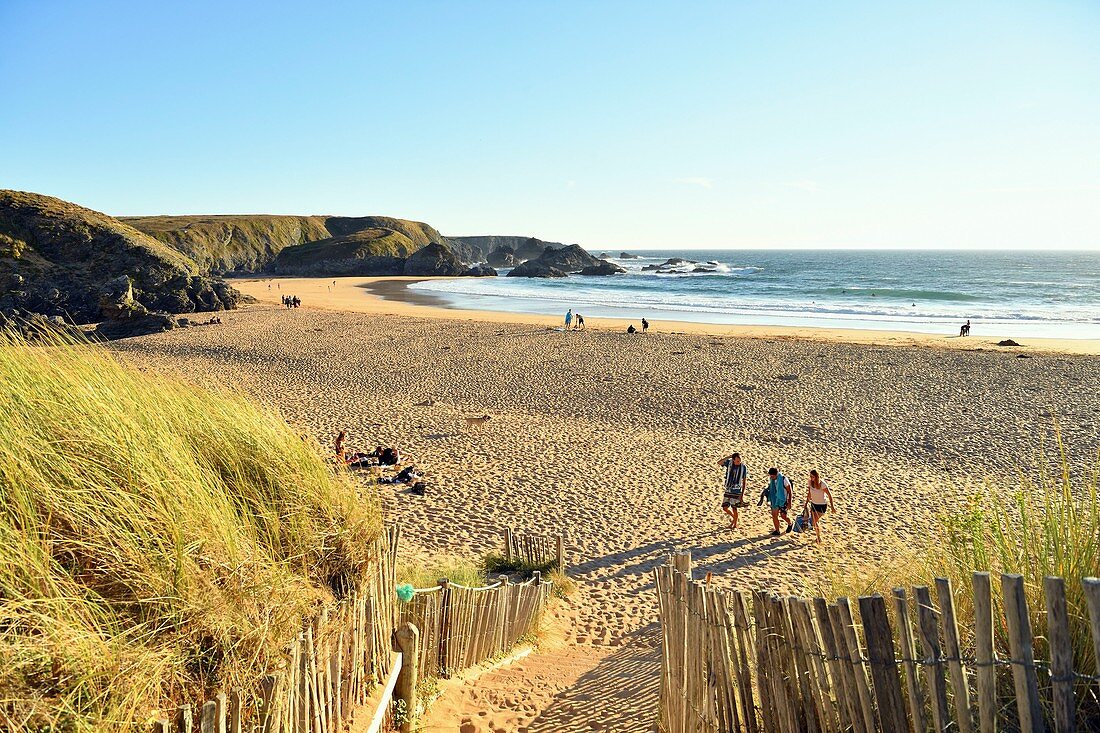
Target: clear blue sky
(612,124)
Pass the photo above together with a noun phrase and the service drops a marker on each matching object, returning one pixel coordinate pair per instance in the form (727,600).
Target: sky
(610,124)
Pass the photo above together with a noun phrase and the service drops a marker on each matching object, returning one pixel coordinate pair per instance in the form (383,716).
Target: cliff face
(478,249)
(370,251)
(60,259)
(253,243)
(231,243)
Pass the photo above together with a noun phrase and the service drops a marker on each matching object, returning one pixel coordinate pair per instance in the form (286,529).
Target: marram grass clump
(159,542)
(1048,524)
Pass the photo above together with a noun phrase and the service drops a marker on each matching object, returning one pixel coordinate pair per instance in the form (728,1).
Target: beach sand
(613,439)
(391,296)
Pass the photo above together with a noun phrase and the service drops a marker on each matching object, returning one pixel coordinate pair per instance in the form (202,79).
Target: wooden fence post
(408,641)
(161,726)
(208,721)
(560,549)
(953,651)
(185,719)
(1091,587)
(269,685)
(1061,655)
(1024,677)
(933,667)
(445,625)
(909,660)
(681,561)
(983,645)
(884,667)
(848,628)
(236,712)
(508,544)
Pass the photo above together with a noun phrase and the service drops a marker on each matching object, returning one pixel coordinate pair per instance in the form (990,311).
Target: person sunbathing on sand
(816,496)
(778,494)
(734,494)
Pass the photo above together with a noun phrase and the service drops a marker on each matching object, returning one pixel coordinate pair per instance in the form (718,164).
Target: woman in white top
(817,496)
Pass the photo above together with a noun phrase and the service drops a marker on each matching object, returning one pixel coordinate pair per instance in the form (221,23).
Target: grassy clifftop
(227,243)
(59,259)
(251,243)
(157,540)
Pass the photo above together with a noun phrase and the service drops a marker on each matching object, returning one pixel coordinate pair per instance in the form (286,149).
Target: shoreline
(391,295)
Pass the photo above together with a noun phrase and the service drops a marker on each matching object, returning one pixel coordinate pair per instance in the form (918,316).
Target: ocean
(1049,294)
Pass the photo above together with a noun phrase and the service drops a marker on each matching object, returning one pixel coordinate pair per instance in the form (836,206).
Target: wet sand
(392,296)
(613,439)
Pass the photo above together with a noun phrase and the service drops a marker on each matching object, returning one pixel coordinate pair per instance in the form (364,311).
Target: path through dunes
(614,439)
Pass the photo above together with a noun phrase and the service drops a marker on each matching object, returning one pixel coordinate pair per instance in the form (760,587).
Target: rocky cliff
(253,243)
(59,259)
(479,249)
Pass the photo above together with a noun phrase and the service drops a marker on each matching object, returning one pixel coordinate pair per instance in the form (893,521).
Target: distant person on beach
(778,494)
(965,329)
(568,319)
(645,325)
(817,496)
(631,329)
(341,447)
(580,323)
(734,494)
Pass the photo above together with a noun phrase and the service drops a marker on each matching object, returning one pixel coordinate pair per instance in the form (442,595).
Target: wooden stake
(1024,677)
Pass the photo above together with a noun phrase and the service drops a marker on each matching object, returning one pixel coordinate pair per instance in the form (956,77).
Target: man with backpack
(778,494)
(734,493)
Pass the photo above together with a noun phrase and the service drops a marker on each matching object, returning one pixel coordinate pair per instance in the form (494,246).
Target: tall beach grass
(158,541)
(1046,525)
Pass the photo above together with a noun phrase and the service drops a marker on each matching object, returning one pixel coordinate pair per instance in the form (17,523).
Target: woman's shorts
(819,508)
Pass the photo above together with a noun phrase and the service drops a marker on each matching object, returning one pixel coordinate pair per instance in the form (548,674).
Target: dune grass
(1049,525)
(159,542)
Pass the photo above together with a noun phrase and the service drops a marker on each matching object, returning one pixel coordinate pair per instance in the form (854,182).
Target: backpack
(803,522)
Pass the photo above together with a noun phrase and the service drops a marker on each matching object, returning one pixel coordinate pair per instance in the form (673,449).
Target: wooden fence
(461,626)
(341,660)
(756,662)
(535,549)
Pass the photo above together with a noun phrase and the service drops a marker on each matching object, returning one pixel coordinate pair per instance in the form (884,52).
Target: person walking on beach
(816,496)
(645,325)
(778,494)
(568,319)
(734,493)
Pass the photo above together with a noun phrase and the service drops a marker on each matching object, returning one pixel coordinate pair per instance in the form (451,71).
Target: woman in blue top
(778,494)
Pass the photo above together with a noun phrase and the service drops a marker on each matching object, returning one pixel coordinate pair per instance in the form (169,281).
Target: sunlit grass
(158,541)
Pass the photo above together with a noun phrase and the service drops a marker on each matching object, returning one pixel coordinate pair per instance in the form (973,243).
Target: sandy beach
(391,296)
(613,439)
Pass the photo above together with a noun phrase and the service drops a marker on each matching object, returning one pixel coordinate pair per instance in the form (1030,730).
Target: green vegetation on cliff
(231,243)
(60,259)
(158,541)
(252,243)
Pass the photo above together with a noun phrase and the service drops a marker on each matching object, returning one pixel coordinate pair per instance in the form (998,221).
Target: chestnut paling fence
(535,549)
(341,663)
(462,626)
(758,662)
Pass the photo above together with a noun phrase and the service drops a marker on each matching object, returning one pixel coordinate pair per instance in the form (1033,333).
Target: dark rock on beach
(536,268)
(628,256)
(603,268)
(480,271)
(569,259)
(435,259)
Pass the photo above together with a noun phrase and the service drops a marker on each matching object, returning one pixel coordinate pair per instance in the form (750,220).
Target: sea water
(1051,294)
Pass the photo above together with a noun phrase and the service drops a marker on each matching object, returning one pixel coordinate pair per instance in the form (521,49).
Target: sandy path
(613,439)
